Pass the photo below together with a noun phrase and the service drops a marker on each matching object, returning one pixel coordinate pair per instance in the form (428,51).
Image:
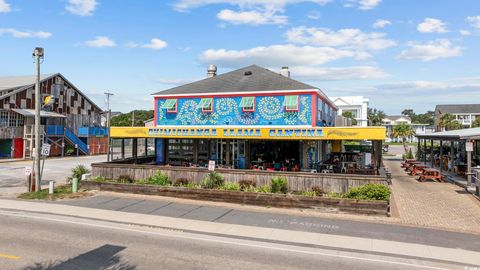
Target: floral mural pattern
(228,111)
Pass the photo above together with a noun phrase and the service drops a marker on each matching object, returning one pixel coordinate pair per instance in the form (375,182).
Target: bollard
(51,186)
(74,185)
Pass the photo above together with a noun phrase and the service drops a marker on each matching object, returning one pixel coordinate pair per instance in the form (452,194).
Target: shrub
(409,154)
(212,180)
(192,185)
(369,192)
(69,150)
(308,193)
(78,171)
(230,186)
(263,189)
(160,179)
(245,184)
(279,185)
(181,182)
(99,179)
(318,190)
(125,179)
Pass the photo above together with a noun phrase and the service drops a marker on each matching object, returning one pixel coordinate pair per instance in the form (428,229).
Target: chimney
(211,71)
(285,72)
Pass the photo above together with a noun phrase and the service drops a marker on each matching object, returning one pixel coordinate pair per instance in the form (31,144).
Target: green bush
(263,189)
(318,190)
(181,182)
(279,185)
(308,193)
(246,184)
(78,171)
(409,154)
(160,179)
(125,179)
(230,186)
(369,192)
(99,179)
(69,150)
(212,180)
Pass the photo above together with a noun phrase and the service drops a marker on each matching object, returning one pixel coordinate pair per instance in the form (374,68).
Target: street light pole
(38,54)
(109,112)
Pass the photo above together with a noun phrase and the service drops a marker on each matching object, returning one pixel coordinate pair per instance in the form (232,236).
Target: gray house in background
(464,113)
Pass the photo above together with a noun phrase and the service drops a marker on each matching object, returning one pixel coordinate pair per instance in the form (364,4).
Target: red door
(18,148)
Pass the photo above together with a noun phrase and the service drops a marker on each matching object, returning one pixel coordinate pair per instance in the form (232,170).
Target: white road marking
(190,237)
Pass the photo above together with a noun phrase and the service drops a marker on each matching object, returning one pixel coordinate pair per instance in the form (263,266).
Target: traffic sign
(211,165)
(28,171)
(469,146)
(46,149)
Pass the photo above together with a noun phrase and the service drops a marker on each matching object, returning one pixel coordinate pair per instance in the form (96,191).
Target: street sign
(211,165)
(28,171)
(46,149)
(469,146)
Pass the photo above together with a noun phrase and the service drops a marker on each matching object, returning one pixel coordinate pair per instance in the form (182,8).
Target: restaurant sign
(315,133)
(237,133)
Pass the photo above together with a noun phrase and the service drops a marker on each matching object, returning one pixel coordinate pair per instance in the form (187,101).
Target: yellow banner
(319,133)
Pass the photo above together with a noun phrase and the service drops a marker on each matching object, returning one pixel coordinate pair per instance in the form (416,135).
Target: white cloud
(81,7)
(251,17)
(368,4)
(155,44)
(184,5)
(440,48)
(465,33)
(338,73)
(362,4)
(25,34)
(348,38)
(474,21)
(314,15)
(455,83)
(381,23)
(4,7)
(431,25)
(100,42)
(277,56)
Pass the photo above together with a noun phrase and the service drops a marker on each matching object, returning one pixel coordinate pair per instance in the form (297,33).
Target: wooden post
(227,152)
(123,148)
(469,166)
(452,155)
(425,151)
(432,159)
(419,149)
(441,155)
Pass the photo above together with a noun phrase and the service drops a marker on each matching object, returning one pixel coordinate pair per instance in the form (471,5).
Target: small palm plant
(402,131)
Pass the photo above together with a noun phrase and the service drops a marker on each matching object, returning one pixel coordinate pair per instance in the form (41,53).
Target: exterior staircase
(74,140)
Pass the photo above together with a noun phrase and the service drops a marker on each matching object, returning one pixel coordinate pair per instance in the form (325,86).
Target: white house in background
(390,121)
(465,114)
(357,105)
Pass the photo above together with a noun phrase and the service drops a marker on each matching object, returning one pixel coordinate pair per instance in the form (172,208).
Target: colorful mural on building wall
(269,110)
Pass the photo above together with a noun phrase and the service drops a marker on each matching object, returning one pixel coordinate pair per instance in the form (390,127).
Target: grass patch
(60,192)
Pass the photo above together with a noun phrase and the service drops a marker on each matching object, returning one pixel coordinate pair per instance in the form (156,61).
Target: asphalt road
(219,214)
(12,174)
(40,242)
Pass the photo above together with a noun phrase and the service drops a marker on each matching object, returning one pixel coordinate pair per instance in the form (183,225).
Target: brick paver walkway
(432,204)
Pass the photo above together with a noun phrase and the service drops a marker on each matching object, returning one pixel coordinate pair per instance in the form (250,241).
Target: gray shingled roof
(261,79)
(458,108)
(14,82)
(396,117)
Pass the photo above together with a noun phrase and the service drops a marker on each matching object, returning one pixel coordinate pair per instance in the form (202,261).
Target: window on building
(171,105)
(291,103)
(248,104)
(206,104)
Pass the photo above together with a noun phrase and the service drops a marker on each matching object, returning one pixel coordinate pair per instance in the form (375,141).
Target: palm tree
(448,122)
(402,131)
(476,123)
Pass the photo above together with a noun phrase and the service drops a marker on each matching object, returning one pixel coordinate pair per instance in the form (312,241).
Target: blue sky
(400,54)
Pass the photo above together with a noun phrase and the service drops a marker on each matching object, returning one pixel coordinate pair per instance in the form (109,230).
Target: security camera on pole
(38,54)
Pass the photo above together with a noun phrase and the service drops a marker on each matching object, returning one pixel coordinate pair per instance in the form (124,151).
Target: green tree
(125,119)
(402,131)
(375,117)
(350,116)
(425,118)
(409,112)
(476,123)
(448,122)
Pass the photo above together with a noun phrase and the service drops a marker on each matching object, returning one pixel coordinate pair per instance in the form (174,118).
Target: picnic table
(418,169)
(409,166)
(408,161)
(431,174)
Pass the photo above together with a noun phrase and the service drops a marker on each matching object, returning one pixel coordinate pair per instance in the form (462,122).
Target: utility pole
(133,118)
(38,54)
(108,94)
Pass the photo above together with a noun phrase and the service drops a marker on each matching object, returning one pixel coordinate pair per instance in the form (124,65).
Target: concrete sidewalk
(394,248)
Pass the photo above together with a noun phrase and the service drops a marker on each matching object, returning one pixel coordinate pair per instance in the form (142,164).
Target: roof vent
(211,71)
(285,72)
(247,73)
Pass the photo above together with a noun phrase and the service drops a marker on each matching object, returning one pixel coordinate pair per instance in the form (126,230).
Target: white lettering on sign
(469,146)
(28,171)
(211,165)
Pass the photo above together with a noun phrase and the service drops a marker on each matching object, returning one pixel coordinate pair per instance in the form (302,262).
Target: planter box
(251,198)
